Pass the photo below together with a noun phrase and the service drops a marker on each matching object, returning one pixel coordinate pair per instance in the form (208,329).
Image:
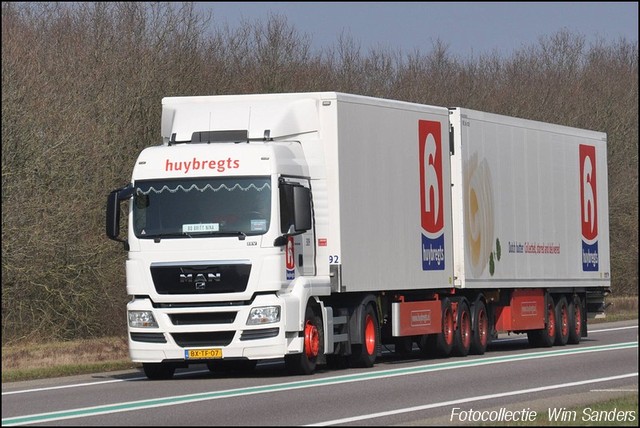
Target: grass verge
(620,309)
(28,361)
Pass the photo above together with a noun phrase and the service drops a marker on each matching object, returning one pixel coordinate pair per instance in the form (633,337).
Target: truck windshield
(230,206)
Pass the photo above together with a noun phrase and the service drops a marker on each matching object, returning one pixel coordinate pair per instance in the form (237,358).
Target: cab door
(300,247)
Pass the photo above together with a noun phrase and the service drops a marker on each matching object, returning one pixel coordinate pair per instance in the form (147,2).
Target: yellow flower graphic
(478,214)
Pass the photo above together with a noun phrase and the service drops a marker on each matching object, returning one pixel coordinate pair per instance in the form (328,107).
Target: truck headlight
(264,315)
(138,319)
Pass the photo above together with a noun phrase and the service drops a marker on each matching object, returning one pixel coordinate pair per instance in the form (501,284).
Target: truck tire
(480,325)
(305,362)
(547,336)
(365,354)
(158,371)
(446,338)
(575,321)
(462,339)
(562,322)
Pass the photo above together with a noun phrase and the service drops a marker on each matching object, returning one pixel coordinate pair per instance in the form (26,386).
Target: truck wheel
(575,321)
(305,362)
(480,335)
(547,336)
(445,339)
(562,321)
(364,355)
(462,339)
(158,371)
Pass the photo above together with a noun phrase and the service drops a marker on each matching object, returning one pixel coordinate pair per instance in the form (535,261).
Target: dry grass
(44,355)
(40,360)
(43,360)
(620,308)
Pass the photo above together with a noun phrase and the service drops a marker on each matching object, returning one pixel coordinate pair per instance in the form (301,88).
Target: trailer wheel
(158,371)
(562,321)
(445,339)
(575,321)
(480,336)
(462,339)
(545,337)
(305,362)
(364,355)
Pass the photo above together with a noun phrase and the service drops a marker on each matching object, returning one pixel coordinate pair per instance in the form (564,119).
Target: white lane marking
(469,400)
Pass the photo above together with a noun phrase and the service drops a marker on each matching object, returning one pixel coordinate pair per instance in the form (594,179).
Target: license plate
(198,354)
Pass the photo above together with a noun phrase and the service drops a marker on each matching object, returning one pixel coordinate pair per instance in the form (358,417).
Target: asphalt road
(510,382)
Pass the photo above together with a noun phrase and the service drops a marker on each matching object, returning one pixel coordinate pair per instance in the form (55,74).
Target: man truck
(317,227)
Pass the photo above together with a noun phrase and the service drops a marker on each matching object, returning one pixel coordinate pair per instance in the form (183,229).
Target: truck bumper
(220,328)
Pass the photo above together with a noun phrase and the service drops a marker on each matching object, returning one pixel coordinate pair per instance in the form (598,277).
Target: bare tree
(82,85)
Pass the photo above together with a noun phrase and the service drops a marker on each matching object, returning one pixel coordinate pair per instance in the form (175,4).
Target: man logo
(200,280)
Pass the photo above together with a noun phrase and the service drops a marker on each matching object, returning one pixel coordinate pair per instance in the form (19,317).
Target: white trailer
(315,227)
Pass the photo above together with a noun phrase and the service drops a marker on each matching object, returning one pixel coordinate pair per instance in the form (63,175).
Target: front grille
(221,338)
(148,337)
(203,318)
(201,278)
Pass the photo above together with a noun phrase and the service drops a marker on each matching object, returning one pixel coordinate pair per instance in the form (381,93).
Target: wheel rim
(370,335)
(483,327)
(577,319)
(564,320)
(465,328)
(551,330)
(448,327)
(311,340)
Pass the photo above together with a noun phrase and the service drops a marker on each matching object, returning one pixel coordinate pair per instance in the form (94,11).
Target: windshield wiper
(158,238)
(241,235)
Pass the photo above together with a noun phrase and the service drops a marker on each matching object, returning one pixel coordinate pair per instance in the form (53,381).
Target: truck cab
(212,227)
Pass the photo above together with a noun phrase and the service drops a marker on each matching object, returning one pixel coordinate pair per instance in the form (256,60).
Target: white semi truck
(316,227)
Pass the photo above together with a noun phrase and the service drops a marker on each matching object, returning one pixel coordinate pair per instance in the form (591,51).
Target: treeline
(81,95)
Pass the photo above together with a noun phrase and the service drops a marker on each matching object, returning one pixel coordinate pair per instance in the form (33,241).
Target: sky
(468,29)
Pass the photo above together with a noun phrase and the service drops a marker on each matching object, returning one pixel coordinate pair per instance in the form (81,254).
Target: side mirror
(295,211)
(113,211)
(301,209)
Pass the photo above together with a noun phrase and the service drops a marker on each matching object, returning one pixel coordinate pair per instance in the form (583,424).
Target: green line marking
(190,398)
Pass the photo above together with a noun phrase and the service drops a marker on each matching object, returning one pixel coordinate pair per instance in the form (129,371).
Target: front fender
(297,295)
